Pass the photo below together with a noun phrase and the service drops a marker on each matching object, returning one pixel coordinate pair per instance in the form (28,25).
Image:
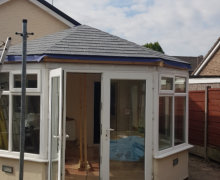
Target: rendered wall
(39,21)
(32,170)
(164,168)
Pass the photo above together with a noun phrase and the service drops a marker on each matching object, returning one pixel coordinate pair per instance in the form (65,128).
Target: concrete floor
(199,169)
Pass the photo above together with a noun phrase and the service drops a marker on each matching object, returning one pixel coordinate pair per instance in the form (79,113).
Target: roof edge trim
(197,71)
(204,80)
(55,14)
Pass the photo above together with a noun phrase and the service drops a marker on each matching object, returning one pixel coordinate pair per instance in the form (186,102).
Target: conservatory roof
(86,43)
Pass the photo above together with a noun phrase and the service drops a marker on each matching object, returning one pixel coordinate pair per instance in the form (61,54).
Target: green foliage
(155,46)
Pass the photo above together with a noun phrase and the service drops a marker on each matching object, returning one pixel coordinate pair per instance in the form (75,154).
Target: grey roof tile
(85,40)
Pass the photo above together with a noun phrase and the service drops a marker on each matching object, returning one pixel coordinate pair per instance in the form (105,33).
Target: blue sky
(182,27)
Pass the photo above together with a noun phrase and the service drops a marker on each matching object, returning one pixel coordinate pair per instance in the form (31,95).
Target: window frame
(11,81)
(171,93)
(29,92)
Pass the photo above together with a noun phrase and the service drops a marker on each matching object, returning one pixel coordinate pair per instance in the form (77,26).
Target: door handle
(67,136)
(107,134)
(56,137)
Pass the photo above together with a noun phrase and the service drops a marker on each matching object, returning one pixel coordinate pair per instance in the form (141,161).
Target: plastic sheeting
(39,58)
(130,148)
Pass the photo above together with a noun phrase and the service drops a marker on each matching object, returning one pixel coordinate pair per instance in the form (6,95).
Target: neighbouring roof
(52,10)
(193,60)
(86,42)
(208,56)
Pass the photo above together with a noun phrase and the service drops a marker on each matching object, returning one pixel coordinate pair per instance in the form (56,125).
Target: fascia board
(204,80)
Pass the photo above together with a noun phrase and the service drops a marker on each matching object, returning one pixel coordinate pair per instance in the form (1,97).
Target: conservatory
(97,107)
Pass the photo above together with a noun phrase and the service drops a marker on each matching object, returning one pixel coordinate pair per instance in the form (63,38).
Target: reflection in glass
(4,81)
(180,84)
(127,141)
(4,100)
(180,118)
(31,81)
(165,122)
(166,83)
(32,123)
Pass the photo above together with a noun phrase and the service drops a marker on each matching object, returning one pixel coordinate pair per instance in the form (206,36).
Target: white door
(126,140)
(55,120)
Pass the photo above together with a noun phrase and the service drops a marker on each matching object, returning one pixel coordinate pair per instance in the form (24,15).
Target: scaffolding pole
(24,35)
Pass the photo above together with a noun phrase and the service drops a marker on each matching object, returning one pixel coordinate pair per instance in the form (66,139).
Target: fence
(204,131)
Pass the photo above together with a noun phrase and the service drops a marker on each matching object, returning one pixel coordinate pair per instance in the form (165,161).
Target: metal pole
(206,121)
(23,100)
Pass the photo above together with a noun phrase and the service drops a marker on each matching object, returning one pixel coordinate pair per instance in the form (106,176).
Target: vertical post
(206,121)
(23,100)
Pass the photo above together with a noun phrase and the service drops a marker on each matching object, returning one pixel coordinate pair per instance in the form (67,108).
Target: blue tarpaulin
(39,58)
(130,148)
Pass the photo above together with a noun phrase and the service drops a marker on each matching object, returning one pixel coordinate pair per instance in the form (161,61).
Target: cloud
(183,27)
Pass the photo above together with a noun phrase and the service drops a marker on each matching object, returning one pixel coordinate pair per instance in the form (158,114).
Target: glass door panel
(127,126)
(55,109)
(54,126)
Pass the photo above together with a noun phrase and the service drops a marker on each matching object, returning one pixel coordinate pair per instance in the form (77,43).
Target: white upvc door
(126,126)
(55,124)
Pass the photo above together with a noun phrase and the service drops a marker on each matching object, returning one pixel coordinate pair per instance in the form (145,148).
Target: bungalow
(98,107)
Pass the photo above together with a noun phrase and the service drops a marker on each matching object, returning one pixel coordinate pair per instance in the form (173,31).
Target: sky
(182,27)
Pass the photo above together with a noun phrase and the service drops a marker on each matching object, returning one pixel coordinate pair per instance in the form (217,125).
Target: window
(172,112)
(31,81)
(4,122)
(10,108)
(166,83)
(165,122)
(4,81)
(32,123)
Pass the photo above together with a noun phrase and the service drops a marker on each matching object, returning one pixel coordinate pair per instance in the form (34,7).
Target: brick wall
(213,67)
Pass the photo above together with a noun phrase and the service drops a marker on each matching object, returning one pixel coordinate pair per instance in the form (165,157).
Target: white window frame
(11,81)
(29,92)
(158,154)
(166,91)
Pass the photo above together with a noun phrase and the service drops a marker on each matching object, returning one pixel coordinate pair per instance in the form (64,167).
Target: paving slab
(199,169)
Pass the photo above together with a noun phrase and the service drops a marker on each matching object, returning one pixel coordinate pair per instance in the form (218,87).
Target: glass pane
(127,141)
(32,124)
(4,100)
(180,84)
(166,83)
(55,126)
(4,81)
(165,122)
(180,118)
(31,81)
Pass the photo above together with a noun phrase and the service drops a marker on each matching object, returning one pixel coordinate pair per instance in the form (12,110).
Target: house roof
(52,10)
(193,60)
(208,57)
(85,41)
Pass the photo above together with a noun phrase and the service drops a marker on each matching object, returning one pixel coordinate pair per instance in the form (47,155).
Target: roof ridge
(70,29)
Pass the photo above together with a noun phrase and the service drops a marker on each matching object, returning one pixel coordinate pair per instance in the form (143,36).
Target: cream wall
(164,169)
(39,21)
(32,170)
